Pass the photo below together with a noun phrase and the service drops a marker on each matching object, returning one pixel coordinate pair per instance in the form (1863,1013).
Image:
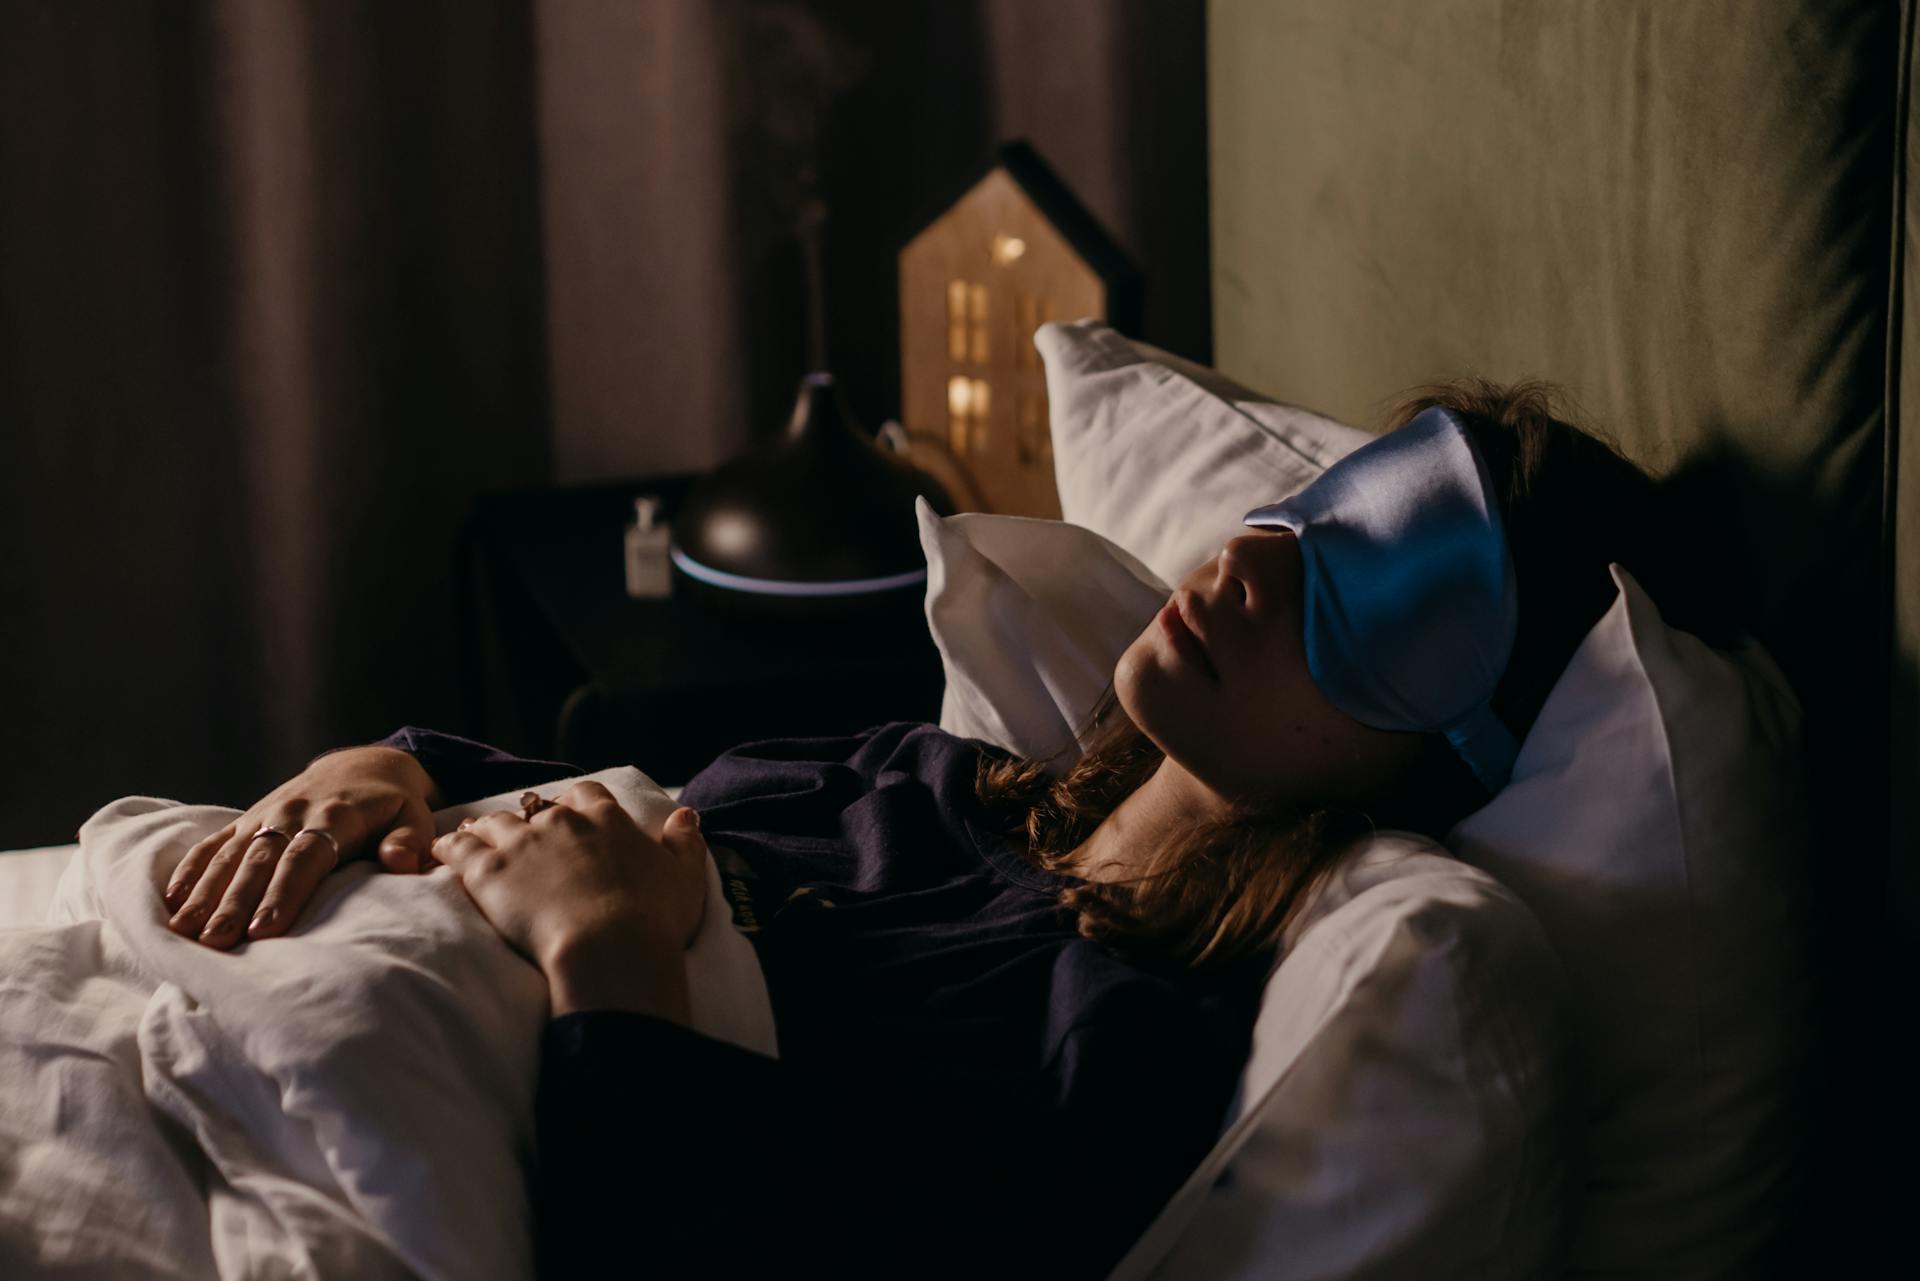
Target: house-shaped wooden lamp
(1016,251)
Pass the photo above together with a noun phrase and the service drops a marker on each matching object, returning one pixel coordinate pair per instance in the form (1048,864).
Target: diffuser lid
(822,511)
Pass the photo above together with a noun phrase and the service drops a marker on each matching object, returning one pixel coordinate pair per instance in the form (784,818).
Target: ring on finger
(268,829)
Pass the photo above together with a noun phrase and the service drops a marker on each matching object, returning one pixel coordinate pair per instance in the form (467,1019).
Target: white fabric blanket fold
(351,1100)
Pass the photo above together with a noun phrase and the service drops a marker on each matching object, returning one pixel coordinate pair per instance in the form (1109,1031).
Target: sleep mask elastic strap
(1411,607)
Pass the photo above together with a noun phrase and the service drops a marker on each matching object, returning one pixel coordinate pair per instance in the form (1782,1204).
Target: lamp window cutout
(967,314)
(957,320)
(1007,248)
(969,404)
(977,323)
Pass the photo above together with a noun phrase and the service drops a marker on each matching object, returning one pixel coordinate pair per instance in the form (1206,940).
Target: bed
(1691,217)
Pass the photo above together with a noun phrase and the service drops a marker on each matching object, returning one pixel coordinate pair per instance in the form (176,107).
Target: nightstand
(563,663)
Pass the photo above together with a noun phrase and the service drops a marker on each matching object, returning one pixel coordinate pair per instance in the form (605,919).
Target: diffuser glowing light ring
(783,587)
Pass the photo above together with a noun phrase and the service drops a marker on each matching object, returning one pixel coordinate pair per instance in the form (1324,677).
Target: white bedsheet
(27,881)
(352,1100)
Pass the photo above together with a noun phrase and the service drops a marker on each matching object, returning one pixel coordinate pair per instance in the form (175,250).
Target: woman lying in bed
(1012,1009)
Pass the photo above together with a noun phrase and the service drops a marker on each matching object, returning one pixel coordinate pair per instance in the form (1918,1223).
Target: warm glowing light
(732,533)
(957,320)
(959,396)
(1007,248)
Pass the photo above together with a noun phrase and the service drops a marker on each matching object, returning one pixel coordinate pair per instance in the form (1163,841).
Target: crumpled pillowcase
(1658,823)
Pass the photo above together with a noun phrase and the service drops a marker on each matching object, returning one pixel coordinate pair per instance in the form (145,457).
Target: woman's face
(1219,682)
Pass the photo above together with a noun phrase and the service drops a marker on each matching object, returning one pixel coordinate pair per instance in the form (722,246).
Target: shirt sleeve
(465,770)
(801,787)
(666,1152)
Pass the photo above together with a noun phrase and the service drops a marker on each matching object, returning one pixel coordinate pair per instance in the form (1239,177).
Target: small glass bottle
(649,573)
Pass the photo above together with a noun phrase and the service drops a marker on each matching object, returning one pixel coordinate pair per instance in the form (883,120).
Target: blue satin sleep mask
(1411,607)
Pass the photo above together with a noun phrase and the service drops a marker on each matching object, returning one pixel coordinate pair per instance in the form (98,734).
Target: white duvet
(352,1100)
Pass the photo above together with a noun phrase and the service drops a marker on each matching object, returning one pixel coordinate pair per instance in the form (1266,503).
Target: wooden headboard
(1685,216)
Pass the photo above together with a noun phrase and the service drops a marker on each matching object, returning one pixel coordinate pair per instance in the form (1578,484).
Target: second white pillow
(1029,616)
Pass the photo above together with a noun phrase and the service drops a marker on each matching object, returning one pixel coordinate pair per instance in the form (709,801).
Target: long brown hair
(1226,889)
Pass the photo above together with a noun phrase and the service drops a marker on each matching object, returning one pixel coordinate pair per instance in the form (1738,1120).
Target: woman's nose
(1232,575)
(1246,566)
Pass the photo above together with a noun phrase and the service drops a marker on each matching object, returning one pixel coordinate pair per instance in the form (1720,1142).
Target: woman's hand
(254,876)
(605,909)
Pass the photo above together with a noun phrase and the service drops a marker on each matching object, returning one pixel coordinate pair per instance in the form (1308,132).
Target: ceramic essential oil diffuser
(815,530)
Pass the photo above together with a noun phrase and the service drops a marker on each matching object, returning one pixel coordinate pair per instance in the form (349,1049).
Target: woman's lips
(1183,639)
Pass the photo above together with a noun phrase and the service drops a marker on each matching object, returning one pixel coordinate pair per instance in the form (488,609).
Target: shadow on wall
(1820,614)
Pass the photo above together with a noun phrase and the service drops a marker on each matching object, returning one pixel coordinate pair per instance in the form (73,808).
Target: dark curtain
(284,286)
(271,318)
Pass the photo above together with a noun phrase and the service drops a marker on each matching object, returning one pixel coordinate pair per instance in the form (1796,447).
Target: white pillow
(1405,1110)
(1029,616)
(1657,822)
(1409,1107)
(1163,456)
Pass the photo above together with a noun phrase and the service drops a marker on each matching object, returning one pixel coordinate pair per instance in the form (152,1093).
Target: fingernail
(693,816)
(261,920)
(189,920)
(218,928)
(174,895)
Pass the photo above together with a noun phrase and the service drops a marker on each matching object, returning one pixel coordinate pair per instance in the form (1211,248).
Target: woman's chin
(1153,691)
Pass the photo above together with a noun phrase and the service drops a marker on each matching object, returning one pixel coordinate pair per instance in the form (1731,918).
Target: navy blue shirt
(965,1085)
